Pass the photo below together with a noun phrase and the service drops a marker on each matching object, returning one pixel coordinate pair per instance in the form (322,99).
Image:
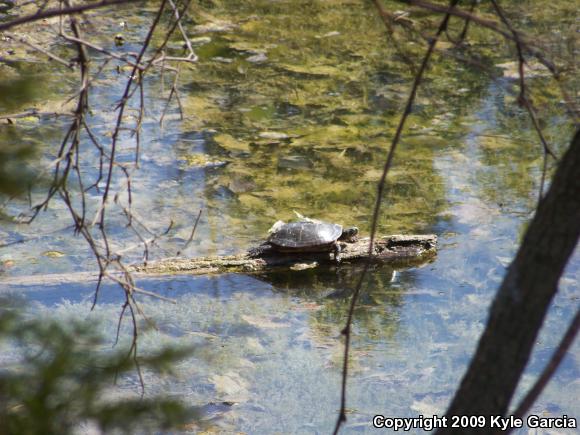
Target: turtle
(310,235)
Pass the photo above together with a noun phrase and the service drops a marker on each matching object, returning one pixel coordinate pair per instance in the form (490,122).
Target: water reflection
(306,130)
(264,347)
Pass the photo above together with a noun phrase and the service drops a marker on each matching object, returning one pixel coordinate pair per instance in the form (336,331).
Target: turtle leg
(258,251)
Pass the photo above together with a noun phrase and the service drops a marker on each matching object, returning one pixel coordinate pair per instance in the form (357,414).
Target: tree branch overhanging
(521,304)
(68,180)
(524,41)
(346,332)
(550,368)
(57,12)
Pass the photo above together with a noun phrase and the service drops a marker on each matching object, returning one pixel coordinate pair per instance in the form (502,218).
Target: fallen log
(396,250)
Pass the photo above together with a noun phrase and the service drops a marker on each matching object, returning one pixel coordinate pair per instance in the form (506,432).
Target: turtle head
(277,225)
(349,234)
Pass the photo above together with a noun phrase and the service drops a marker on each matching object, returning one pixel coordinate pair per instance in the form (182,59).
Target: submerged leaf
(230,143)
(315,70)
(53,254)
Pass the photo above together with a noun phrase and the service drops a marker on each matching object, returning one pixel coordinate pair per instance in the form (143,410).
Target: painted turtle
(310,236)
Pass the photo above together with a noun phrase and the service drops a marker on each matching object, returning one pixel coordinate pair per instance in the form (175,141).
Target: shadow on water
(324,282)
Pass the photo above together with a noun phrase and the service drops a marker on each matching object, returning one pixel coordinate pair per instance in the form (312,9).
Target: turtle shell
(305,235)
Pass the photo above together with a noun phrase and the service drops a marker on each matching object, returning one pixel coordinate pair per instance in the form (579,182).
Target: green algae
(297,104)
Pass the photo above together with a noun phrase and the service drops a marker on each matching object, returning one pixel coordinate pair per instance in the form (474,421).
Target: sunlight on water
(307,131)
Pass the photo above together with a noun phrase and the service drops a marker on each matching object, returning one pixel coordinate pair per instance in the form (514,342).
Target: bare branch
(192,56)
(550,368)
(34,112)
(380,192)
(124,100)
(524,42)
(52,56)
(174,91)
(49,13)
(524,100)
(192,234)
(100,49)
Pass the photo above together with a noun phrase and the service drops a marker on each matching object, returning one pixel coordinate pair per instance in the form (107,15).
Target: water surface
(282,117)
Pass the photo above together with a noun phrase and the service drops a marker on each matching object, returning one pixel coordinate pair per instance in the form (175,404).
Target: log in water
(397,250)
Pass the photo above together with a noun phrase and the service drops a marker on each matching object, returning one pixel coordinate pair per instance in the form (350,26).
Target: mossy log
(397,250)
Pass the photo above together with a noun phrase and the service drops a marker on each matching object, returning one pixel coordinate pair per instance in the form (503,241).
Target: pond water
(282,118)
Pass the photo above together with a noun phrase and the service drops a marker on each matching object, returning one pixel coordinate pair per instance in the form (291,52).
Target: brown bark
(519,308)
(396,250)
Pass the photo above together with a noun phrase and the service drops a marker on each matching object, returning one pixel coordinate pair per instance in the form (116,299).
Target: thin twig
(550,369)
(139,120)
(463,33)
(388,20)
(34,112)
(123,309)
(122,105)
(380,192)
(153,295)
(100,49)
(191,235)
(174,91)
(30,239)
(524,41)
(133,348)
(43,14)
(135,289)
(68,161)
(52,56)
(192,56)
(524,100)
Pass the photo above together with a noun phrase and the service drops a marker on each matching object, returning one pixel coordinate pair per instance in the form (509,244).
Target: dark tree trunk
(523,299)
